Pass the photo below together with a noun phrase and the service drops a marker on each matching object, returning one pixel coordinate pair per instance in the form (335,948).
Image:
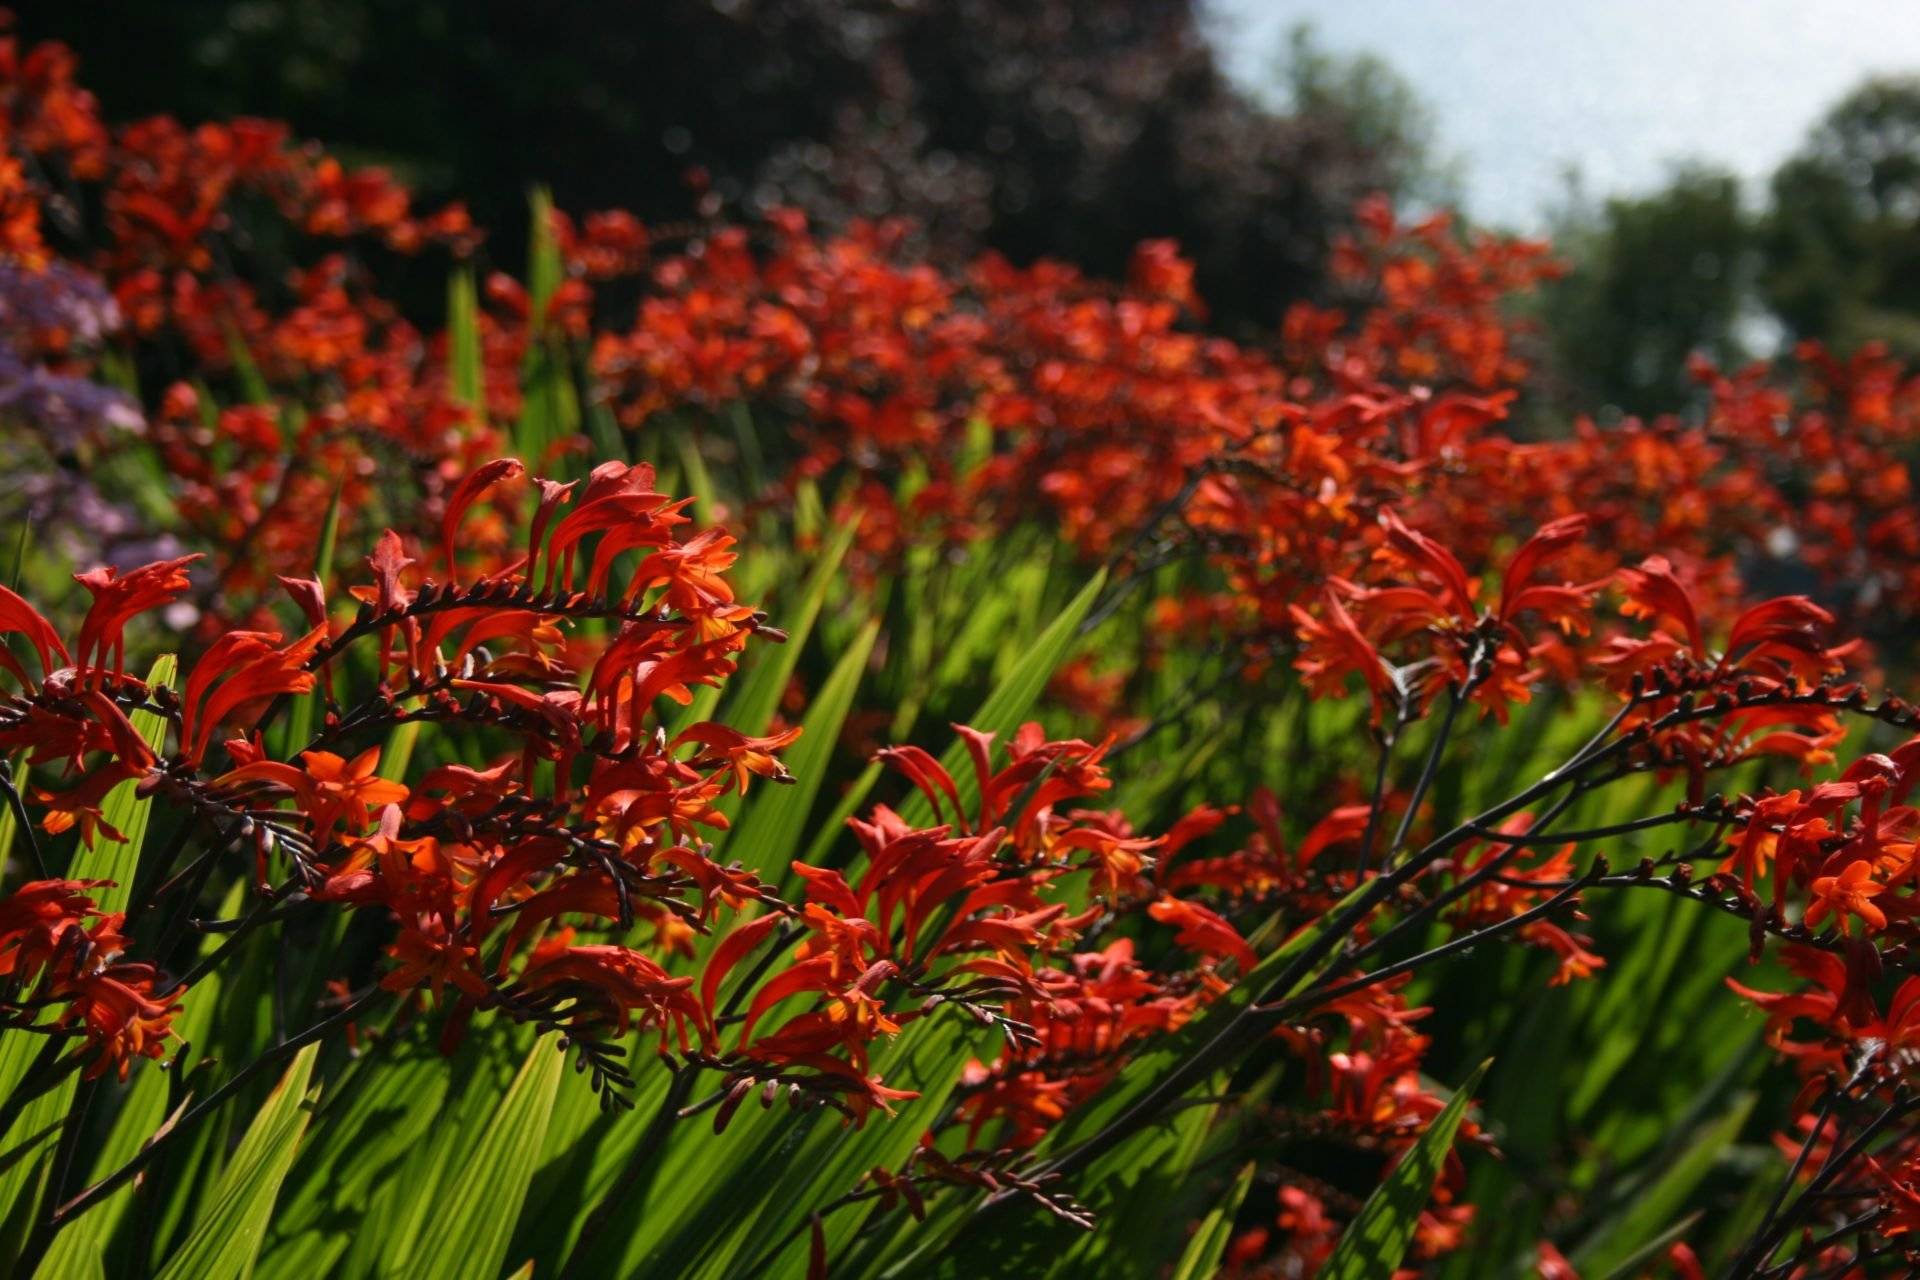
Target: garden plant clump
(744,750)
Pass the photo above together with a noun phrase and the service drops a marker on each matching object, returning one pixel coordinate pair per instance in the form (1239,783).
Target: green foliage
(1831,253)
(1370,103)
(1375,1243)
(1215,1232)
(392,1158)
(765,837)
(472,1216)
(227,1234)
(1842,237)
(33,1139)
(1011,703)
(1656,278)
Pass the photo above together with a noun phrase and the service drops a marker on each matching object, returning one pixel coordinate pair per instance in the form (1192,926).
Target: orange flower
(120,1015)
(1851,893)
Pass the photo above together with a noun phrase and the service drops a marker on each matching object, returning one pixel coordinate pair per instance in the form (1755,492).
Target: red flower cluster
(452,854)
(555,872)
(59,952)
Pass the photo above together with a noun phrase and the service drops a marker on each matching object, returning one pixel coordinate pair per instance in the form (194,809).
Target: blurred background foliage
(1069,129)
(1061,128)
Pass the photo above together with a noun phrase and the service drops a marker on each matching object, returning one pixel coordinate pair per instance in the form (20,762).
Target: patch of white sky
(1520,92)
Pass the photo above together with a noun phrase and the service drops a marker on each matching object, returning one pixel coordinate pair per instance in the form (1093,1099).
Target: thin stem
(1166,509)
(215,958)
(195,880)
(1377,803)
(1312,999)
(1249,1027)
(1687,815)
(1702,892)
(1767,1243)
(1190,697)
(1455,696)
(1467,884)
(71,1126)
(155,880)
(1800,1159)
(23,822)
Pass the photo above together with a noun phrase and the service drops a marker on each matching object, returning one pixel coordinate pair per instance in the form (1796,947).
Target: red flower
(38,919)
(121,1015)
(19,617)
(1203,931)
(117,599)
(1851,893)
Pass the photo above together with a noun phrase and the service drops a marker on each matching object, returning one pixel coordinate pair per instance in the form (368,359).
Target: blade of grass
(473,1217)
(1011,701)
(226,1237)
(1209,1244)
(768,835)
(1374,1243)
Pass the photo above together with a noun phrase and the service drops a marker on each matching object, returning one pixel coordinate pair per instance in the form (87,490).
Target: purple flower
(61,308)
(57,299)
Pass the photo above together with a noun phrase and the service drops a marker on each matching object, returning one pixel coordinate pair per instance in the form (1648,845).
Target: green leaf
(1209,1243)
(1138,1175)
(226,1237)
(1011,701)
(385,1110)
(1376,1241)
(748,439)
(466,374)
(769,835)
(9,825)
(699,480)
(1631,1265)
(827,832)
(126,812)
(472,1219)
(1164,1054)
(22,1183)
(809,1163)
(253,385)
(397,754)
(306,707)
(19,564)
(754,700)
(550,409)
(81,1247)
(544,268)
(481,1071)
(1651,1213)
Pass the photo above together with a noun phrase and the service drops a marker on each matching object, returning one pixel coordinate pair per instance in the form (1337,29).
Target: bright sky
(1520,89)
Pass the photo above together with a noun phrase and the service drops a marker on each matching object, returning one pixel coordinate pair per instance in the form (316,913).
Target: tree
(1655,279)
(1065,128)
(1842,240)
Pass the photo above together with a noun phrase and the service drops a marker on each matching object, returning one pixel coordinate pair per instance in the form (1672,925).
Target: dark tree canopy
(1070,128)
(1843,235)
(1659,278)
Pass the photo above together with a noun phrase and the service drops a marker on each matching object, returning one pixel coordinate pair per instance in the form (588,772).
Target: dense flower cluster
(1345,502)
(488,875)
(984,389)
(57,948)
